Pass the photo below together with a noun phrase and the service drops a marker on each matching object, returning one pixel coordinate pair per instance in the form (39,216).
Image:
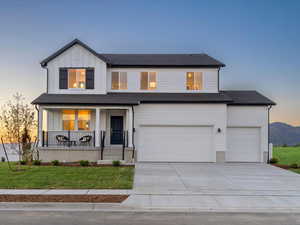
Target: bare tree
(18,122)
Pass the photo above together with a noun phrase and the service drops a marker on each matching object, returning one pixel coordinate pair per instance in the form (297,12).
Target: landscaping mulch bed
(282,166)
(64,198)
(78,165)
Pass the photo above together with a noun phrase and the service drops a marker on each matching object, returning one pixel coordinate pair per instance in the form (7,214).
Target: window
(194,81)
(119,80)
(148,80)
(84,118)
(76,78)
(68,118)
(76,119)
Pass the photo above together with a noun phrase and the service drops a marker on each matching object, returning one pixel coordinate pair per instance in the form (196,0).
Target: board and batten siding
(250,117)
(205,115)
(168,79)
(77,57)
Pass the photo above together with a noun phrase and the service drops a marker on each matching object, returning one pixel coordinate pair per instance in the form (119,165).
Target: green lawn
(287,155)
(60,177)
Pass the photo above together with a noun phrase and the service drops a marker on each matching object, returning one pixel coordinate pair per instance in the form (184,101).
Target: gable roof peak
(69,45)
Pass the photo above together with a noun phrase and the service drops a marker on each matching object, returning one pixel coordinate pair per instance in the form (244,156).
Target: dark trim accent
(69,45)
(250,104)
(81,67)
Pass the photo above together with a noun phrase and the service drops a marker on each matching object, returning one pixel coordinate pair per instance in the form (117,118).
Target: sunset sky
(259,41)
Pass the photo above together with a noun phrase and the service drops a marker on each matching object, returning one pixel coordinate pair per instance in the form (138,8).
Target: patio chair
(62,140)
(85,140)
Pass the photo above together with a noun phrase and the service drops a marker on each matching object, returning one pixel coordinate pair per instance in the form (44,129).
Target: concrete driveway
(210,186)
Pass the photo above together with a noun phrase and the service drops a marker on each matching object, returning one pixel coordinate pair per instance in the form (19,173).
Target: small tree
(17,120)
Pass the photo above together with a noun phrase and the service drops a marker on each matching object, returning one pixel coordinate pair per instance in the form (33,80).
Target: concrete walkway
(214,187)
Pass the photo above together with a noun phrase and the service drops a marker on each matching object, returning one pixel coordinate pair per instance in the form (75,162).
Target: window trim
(148,79)
(119,79)
(201,80)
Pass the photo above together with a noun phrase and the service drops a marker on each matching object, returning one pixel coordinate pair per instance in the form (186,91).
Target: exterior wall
(250,116)
(185,114)
(75,155)
(168,80)
(76,56)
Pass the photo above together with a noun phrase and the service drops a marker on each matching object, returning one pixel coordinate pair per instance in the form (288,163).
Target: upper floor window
(76,78)
(76,119)
(194,81)
(119,80)
(148,80)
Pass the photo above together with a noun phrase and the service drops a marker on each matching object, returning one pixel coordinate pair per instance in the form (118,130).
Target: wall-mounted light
(219,130)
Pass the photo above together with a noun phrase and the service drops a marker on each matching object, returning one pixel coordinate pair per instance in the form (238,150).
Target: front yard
(63,177)
(288,156)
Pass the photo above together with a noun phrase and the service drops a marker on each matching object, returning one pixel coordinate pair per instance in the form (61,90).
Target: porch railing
(68,139)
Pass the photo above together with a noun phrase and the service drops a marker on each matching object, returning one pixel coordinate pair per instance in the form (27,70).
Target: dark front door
(116,125)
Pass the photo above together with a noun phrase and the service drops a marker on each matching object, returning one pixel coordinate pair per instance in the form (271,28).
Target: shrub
(23,162)
(55,163)
(116,163)
(36,162)
(294,166)
(2,159)
(84,162)
(274,160)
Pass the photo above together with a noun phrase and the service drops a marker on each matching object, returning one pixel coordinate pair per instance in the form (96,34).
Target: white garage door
(243,145)
(175,144)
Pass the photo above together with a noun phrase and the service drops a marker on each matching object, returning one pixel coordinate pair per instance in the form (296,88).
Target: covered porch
(94,133)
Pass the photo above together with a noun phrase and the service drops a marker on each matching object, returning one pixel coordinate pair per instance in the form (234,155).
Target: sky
(259,41)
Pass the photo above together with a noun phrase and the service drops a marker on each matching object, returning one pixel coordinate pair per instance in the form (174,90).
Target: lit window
(84,119)
(119,80)
(148,80)
(194,81)
(68,118)
(76,78)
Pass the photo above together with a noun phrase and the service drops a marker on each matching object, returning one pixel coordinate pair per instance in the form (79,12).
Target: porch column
(40,126)
(129,126)
(97,128)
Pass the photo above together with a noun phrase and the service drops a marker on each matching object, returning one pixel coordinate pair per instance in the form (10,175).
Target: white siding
(76,56)
(186,115)
(168,80)
(250,117)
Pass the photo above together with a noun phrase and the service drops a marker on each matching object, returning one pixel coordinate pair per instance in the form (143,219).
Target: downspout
(47,80)
(133,131)
(38,117)
(269,108)
(219,79)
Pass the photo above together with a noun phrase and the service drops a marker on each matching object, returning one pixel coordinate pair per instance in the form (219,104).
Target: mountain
(282,133)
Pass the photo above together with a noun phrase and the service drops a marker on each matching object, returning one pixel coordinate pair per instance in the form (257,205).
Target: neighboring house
(147,108)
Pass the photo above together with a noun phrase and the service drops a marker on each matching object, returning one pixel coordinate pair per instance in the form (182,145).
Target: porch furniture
(63,140)
(85,140)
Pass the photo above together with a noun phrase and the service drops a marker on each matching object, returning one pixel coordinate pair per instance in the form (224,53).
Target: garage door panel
(175,144)
(243,144)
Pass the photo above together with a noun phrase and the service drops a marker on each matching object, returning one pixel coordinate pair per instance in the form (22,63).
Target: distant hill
(282,133)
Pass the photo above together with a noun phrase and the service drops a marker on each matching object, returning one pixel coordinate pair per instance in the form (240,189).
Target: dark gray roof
(161,60)
(144,60)
(228,97)
(248,98)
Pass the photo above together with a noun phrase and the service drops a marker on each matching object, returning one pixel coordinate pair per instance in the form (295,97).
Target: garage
(172,143)
(243,144)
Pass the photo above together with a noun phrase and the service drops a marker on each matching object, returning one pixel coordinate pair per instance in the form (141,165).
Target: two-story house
(147,108)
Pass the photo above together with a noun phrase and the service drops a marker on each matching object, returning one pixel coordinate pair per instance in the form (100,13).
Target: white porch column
(97,128)
(129,125)
(40,126)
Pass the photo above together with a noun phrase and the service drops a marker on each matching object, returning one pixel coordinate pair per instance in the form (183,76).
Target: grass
(287,155)
(60,177)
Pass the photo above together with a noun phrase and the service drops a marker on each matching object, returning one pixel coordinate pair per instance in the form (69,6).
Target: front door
(116,125)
